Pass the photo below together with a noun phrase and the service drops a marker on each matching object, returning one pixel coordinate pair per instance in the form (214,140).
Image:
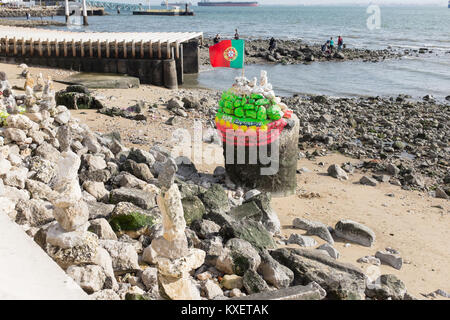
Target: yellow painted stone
(222,122)
(263,128)
(235,127)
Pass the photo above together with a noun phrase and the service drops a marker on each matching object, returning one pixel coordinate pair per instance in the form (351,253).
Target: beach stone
(314,228)
(341,281)
(180,267)
(249,230)
(392,169)
(178,289)
(274,272)
(193,209)
(368,181)
(440,193)
(5,166)
(140,198)
(236,293)
(102,229)
(232,281)
(90,278)
(172,213)
(173,249)
(94,162)
(141,156)
(268,216)
(355,232)
(205,228)
(385,287)
(129,219)
(149,278)
(215,199)
(369,260)
(237,257)
(302,241)
(99,210)
(43,170)
(97,190)
(211,289)
(330,250)
(48,152)
(337,172)
(107,294)
(391,259)
(140,170)
(253,282)
(124,256)
(71,214)
(16,177)
(34,212)
(15,135)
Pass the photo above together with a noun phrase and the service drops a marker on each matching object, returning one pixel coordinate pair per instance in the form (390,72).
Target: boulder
(238,256)
(124,256)
(216,199)
(340,280)
(337,172)
(314,228)
(90,278)
(205,228)
(330,250)
(149,278)
(211,289)
(34,212)
(131,220)
(102,229)
(249,230)
(97,190)
(392,259)
(232,281)
(355,232)
(368,181)
(387,286)
(253,282)
(140,198)
(193,209)
(302,241)
(274,272)
(71,214)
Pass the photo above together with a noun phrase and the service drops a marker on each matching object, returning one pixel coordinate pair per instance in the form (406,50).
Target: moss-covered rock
(216,199)
(193,209)
(249,230)
(132,221)
(253,282)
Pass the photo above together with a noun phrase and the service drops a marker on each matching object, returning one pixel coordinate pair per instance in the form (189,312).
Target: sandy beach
(412,222)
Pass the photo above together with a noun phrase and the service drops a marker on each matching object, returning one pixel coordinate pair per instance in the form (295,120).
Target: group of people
(217,37)
(329,46)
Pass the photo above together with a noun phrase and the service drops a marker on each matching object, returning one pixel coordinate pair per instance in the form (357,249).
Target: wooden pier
(159,58)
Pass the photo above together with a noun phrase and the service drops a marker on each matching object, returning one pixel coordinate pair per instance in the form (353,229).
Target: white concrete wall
(27,272)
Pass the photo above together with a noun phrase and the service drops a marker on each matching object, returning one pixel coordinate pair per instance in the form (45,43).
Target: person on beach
(331,44)
(236,35)
(216,39)
(28,15)
(272,44)
(340,43)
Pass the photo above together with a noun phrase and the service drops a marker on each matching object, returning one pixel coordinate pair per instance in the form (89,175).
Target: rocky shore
(30,23)
(129,223)
(34,12)
(298,51)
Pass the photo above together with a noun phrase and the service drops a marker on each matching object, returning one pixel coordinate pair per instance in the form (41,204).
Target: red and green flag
(227,54)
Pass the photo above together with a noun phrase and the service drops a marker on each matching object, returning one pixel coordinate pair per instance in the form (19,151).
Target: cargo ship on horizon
(207,3)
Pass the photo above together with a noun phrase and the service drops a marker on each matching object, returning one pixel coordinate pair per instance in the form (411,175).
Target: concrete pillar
(85,21)
(170,74)
(191,57)
(180,70)
(279,175)
(157,72)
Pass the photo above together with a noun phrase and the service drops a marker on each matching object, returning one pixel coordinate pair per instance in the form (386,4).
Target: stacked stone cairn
(135,224)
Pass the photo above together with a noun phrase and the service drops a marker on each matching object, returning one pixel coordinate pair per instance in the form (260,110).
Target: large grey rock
(102,229)
(238,256)
(368,181)
(249,230)
(330,250)
(308,292)
(274,272)
(90,278)
(337,172)
(354,231)
(216,199)
(124,256)
(99,210)
(140,170)
(303,241)
(314,228)
(392,259)
(193,209)
(340,280)
(149,278)
(34,212)
(385,287)
(140,198)
(253,282)
(205,228)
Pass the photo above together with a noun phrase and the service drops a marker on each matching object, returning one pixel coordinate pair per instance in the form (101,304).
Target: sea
(368,27)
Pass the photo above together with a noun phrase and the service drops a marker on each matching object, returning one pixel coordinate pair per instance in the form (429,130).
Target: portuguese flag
(227,54)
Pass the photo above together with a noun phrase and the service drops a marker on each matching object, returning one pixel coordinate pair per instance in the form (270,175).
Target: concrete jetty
(159,58)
